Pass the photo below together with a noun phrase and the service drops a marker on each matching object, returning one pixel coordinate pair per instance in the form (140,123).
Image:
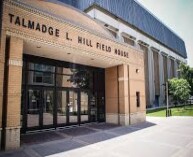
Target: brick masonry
(14,80)
(121,82)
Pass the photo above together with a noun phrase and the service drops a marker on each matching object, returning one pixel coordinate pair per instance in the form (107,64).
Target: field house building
(72,62)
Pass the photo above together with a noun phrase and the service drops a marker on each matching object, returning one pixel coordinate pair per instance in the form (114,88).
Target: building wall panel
(136,15)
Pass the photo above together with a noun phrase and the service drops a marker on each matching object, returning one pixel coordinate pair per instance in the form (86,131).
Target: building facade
(131,23)
(72,62)
(60,67)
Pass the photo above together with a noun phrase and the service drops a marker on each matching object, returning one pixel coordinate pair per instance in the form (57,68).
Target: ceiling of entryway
(69,55)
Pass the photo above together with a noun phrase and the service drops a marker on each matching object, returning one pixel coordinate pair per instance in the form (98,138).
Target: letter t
(11,17)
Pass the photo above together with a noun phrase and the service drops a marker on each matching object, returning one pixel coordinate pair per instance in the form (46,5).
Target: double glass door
(40,108)
(72,107)
(49,108)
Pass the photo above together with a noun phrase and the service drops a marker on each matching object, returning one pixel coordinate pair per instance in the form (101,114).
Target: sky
(177,15)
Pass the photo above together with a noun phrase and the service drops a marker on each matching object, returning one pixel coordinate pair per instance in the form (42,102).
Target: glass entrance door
(47,108)
(58,94)
(73,107)
(61,97)
(39,108)
(84,107)
(33,108)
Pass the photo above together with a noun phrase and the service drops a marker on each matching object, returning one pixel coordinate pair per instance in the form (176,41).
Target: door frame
(67,106)
(25,108)
(78,103)
(55,124)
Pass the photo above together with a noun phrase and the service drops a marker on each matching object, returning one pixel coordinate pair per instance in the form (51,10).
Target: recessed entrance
(72,107)
(58,94)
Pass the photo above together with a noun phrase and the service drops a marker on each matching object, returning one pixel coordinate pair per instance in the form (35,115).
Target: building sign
(42,28)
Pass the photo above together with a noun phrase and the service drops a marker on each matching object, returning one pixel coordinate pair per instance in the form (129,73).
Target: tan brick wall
(73,30)
(123,89)
(111,91)
(14,93)
(137,84)
(14,80)
(129,83)
(2,62)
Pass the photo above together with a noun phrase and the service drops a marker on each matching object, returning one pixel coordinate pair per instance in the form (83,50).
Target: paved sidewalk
(158,137)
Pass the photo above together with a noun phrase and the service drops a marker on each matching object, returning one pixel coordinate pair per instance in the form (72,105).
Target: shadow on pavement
(61,140)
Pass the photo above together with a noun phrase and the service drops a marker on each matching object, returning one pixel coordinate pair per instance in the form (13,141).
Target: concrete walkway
(158,137)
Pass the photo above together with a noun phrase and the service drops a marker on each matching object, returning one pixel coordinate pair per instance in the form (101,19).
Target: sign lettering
(32,25)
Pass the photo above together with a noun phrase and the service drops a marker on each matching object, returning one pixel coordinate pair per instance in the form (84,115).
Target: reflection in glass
(48,108)
(40,74)
(64,81)
(80,78)
(73,77)
(62,70)
(93,109)
(61,107)
(40,78)
(101,107)
(50,80)
(33,108)
(73,107)
(84,107)
(41,67)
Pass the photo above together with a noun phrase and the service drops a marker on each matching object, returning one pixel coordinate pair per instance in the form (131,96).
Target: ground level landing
(166,136)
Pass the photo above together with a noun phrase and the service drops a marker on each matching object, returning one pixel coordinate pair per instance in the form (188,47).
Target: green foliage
(80,78)
(176,111)
(186,72)
(179,89)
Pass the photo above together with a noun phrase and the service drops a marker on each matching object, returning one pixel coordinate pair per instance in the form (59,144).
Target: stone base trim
(138,117)
(12,138)
(112,118)
(11,128)
(124,119)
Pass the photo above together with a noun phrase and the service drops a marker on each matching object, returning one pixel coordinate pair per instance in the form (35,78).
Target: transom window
(128,41)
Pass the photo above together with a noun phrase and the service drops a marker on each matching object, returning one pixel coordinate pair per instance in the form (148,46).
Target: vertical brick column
(117,95)
(137,85)
(2,62)
(123,94)
(13,102)
(111,94)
